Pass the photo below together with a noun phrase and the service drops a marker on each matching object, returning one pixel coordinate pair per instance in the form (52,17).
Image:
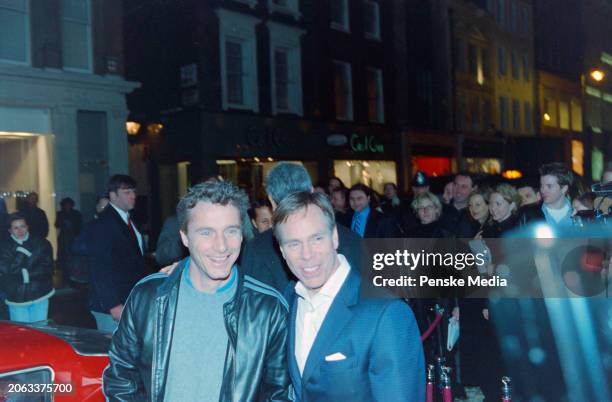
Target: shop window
(564,115)
(14,31)
(549,117)
(238,60)
(432,165)
(76,34)
(286,70)
(371,19)
(343,88)
(576,111)
(483,165)
(373,173)
(375,95)
(340,15)
(578,157)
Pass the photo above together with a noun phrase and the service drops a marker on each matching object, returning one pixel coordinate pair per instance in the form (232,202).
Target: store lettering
(366,144)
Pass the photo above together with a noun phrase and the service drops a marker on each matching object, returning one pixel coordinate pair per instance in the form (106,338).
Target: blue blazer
(381,341)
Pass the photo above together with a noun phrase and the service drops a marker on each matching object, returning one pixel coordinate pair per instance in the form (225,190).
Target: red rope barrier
(431,328)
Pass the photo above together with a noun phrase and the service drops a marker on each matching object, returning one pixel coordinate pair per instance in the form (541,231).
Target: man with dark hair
(529,192)
(206,332)
(36,217)
(115,254)
(555,182)
(261,257)
(343,346)
(455,216)
(367,222)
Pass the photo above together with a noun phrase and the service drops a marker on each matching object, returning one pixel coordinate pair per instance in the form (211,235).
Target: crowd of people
(299,254)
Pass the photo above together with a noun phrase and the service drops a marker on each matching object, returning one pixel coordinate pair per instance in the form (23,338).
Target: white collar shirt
(312,309)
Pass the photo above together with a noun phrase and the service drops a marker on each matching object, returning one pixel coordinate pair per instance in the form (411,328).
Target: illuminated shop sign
(366,143)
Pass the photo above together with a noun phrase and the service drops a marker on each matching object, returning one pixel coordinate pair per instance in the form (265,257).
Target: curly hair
(222,193)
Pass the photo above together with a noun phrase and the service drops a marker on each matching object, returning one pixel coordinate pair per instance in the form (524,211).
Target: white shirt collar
(123,214)
(330,289)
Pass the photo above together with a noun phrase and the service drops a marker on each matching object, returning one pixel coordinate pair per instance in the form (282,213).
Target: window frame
(349,101)
(28,38)
(289,40)
(380,95)
(237,26)
(344,26)
(90,60)
(292,8)
(376,7)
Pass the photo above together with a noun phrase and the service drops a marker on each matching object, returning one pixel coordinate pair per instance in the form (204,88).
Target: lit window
(238,59)
(343,90)
(14,31)
(550,108)
(578,157)
(76,34)
(375,95)
(340,15)
(564,115)
(372,19)
(286,71)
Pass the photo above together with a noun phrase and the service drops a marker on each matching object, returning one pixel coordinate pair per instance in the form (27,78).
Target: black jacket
(262,259)
(378,225)
(116,263)
(256,323)
(39,265)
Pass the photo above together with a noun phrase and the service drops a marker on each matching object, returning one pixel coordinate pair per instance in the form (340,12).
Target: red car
(43,362)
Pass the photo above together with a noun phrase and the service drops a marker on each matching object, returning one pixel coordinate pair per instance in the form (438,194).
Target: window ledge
(341,28)
(285,10)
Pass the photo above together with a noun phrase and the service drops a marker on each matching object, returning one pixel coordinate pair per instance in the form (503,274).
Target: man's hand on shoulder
(168,270)
(116,312)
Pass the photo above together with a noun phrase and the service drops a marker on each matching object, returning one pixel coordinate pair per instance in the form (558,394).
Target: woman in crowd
(478,207)
(584,202)
(26,272)
(503,207)
(428,209)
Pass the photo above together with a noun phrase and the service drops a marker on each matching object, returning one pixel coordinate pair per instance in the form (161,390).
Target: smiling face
(479,209)
(500,208)
(309,247)
(358,200)
(213,238)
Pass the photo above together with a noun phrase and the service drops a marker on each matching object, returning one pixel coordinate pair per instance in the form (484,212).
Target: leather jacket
(35,256)
(255,366)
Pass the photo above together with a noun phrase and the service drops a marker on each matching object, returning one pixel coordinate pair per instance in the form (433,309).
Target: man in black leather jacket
(206,332)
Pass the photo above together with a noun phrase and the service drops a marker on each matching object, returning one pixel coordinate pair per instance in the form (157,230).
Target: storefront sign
(366,143)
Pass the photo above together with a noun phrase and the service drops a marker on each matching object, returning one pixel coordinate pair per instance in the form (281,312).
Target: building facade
(62,101)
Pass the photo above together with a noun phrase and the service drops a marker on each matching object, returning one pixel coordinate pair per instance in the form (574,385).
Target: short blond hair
(426,196)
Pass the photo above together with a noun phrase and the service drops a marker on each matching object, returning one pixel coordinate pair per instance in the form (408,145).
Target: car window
(27,385)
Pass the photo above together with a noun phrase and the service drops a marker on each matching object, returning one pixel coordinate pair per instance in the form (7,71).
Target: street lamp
(597,75)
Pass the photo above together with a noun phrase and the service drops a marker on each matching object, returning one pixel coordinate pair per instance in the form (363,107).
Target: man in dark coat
(37,218)
(116,254)
(261,257)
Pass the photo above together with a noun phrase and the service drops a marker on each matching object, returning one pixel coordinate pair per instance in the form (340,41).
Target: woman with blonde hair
(503,207)
(428,208)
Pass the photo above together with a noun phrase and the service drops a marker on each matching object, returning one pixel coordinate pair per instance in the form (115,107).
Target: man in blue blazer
(342,346)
